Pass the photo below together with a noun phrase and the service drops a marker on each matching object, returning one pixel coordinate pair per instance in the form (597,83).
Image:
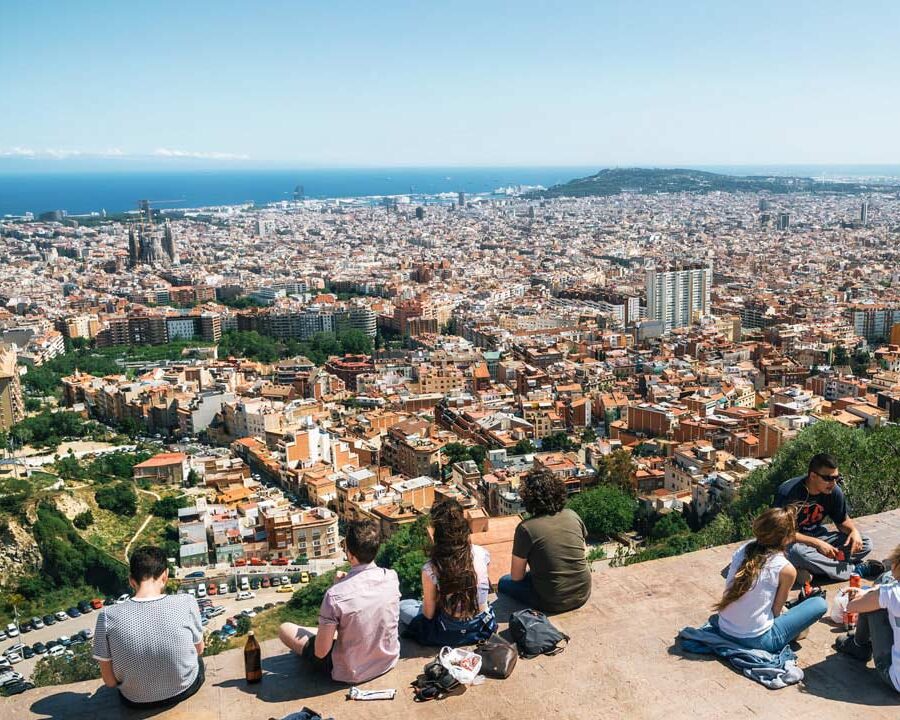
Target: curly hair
(542,493)
(451,559)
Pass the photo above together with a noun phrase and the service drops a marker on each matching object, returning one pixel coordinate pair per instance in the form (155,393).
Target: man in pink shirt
(357,637)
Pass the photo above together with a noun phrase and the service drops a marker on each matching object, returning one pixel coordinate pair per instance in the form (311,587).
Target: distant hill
(647,181)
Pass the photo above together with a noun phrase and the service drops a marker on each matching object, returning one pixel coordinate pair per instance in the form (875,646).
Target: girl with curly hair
(454,609)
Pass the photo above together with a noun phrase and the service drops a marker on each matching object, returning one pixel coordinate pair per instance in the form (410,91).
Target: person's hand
(826,549)
(854,542)
(339,575)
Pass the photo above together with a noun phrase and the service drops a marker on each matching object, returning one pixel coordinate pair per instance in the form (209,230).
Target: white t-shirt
(889,599)
(751,614)
(481,558)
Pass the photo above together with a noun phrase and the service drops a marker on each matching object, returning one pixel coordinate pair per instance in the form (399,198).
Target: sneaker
(847,644)
(870,569)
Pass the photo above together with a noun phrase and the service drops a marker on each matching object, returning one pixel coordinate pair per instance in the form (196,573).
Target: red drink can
(855,580)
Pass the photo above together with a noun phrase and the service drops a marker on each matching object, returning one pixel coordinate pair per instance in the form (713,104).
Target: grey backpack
(535,634)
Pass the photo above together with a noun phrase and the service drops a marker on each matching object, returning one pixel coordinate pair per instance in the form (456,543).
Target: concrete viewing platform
(622,663)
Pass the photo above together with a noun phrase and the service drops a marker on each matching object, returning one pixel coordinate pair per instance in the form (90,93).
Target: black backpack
(535,634)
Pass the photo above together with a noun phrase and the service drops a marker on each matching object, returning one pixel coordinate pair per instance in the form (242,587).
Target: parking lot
(71,626)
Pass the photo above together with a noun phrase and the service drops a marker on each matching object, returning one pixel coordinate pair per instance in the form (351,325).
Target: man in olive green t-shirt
(552,547)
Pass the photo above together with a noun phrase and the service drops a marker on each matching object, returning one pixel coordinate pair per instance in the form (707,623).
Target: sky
(380,83)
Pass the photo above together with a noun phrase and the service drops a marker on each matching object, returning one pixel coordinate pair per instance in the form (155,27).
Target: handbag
(498,657)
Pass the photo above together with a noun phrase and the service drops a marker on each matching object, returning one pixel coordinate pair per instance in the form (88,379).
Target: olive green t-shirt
(553,545)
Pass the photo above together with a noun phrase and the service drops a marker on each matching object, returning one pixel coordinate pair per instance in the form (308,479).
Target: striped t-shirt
(150,643)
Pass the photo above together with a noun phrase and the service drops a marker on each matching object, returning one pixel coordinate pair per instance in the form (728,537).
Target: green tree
(455,452)
(556,442)
(588,435)
(669,524)
(167,508)
(69,468)
(193,478)
(615,469)
(65,669)
(119,498)
(243,625)
(523,447)
(405,552)
(83,520)
(605,510)
(840,356)
(355,342)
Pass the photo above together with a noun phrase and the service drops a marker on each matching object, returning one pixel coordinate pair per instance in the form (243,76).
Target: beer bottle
(252,659)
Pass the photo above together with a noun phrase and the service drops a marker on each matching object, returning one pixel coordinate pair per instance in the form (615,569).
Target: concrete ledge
(621,663)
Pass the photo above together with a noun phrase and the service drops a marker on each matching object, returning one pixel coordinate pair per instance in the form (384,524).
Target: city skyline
(348,85)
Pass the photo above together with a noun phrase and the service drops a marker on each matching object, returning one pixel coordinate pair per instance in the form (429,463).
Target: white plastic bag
(463,665)
(839,606)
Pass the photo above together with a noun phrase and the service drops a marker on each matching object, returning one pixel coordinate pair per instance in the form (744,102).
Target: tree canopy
(605,510)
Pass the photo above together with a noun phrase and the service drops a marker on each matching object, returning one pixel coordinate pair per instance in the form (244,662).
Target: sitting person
(357,635)
(751,612)
(878,628)
(549,570)
(454,610)
(150,646)
(832,554)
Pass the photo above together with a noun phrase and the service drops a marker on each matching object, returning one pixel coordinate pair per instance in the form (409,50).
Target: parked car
(195,574)
(56,651)
(240,562)
(49,620)
(248,613)
(265,583)
(87,633)
(275,581)
(14,658)
(304,577)
(254,584)
(216,611)
(268,606)
(213,589)
(258,608)
(16,688)
(27,653)
(3,635)
(192,592)
(15,648)
(37,623)
(257,561)
(61,615)
(201,590)
(39,648)
(122,598)
(285,589)
(73,612)
(84,607)
(25,627)
(245,595)
(96,603)
(109,601)
(223,588)
(280,561)
(64,640)
(10,676)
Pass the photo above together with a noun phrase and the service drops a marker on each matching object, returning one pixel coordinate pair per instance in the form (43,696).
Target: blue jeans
(787,626)
(442,629)
(520,590)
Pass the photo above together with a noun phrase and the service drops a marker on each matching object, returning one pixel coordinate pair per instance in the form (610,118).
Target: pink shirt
(365,608)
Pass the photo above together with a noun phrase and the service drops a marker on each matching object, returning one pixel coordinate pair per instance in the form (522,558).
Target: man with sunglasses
(835,554)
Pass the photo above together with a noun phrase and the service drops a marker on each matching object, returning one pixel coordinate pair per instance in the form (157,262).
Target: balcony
(620,665)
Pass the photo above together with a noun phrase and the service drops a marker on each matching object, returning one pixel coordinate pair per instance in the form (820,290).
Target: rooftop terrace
(621,663)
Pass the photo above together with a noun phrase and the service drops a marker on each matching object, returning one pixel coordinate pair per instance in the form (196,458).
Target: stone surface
(621,664)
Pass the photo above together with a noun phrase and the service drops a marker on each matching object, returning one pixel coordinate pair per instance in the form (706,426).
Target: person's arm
(821,546)
(196,626)
(429,596)
(854,542)
(106,672)
(864,601)
(786,579)
(325,638)
(517,568)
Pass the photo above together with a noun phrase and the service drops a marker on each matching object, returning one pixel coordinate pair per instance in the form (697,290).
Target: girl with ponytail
(759,580)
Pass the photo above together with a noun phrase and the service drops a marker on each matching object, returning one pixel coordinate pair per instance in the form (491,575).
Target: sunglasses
(832,478)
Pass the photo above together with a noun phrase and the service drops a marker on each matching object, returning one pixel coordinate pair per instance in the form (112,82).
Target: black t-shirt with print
(812,509)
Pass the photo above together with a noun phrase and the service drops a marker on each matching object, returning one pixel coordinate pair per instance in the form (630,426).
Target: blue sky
(381,83)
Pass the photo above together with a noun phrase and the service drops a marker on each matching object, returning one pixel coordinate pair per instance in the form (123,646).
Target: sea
(85,192)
